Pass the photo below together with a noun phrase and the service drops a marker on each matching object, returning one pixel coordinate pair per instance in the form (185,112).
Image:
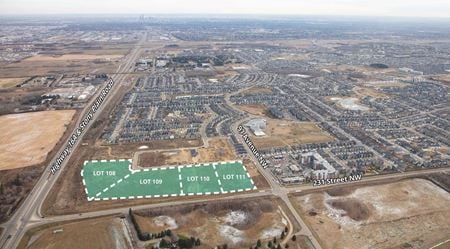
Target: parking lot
(115,179)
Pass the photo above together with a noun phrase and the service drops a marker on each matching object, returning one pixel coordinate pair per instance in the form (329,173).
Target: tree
(164,244)
(258,243)
(198,242)
(294,238)
(274,240)
(269,244)
(286,246)
(279,246)
(225,246)
(282,235)
(17,181)
(286,229)
(186,242)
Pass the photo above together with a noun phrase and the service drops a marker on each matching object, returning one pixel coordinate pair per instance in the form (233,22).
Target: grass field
(26,138)
(112,180)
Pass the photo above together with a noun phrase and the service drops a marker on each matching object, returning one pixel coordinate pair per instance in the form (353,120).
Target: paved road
(15,228)
(28,215)
(277,189)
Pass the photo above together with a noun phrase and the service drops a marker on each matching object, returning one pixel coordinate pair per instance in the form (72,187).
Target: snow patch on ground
(306,200)
(338,215)
(163,221)
(350,104)
(232,234)
(303,76)
(234,218)
(271,232)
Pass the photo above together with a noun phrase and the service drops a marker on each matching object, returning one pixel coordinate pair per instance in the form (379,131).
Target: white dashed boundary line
(133,171)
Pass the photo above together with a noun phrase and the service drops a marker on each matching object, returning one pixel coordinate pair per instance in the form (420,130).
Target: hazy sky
(412,8)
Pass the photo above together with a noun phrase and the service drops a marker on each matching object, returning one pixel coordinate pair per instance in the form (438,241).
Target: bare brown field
(73,57)
(25,139)
(282,133)
(219,150)
(259,110)
(444,78)
(412,213)
(10,82)
(302,242)
(387,84)
(291,56)
(235,223)
(257,90)
(368,91)
(259,180)
(118,151)
(99,233)
(31,68)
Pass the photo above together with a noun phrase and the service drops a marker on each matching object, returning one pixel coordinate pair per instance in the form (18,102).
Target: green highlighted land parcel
(115,179)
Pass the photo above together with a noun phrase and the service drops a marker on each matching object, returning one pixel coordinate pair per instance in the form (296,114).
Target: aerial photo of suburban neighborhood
(224,131)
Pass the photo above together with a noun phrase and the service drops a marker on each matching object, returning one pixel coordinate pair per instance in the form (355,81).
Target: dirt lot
(259,110)
(257,90)
(119,151)
(25,139)
(444,78)
(236,223)
(260,180)
(218,150)
(74,57)
(387,84)
(282,133)
(368,91)
(412,213)
(10,82)
(106,232)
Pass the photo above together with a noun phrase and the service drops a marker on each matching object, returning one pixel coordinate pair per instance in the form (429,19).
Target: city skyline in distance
(395,8)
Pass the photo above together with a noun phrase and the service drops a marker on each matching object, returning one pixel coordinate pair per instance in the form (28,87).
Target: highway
(28,215)
(17,225)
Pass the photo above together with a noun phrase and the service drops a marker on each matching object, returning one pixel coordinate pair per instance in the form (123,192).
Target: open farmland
(26,138)
(391,215)
(235,223)
(74,57)
(282,133)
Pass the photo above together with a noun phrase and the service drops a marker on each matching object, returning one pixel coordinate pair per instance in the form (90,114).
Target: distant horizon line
(222,15)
